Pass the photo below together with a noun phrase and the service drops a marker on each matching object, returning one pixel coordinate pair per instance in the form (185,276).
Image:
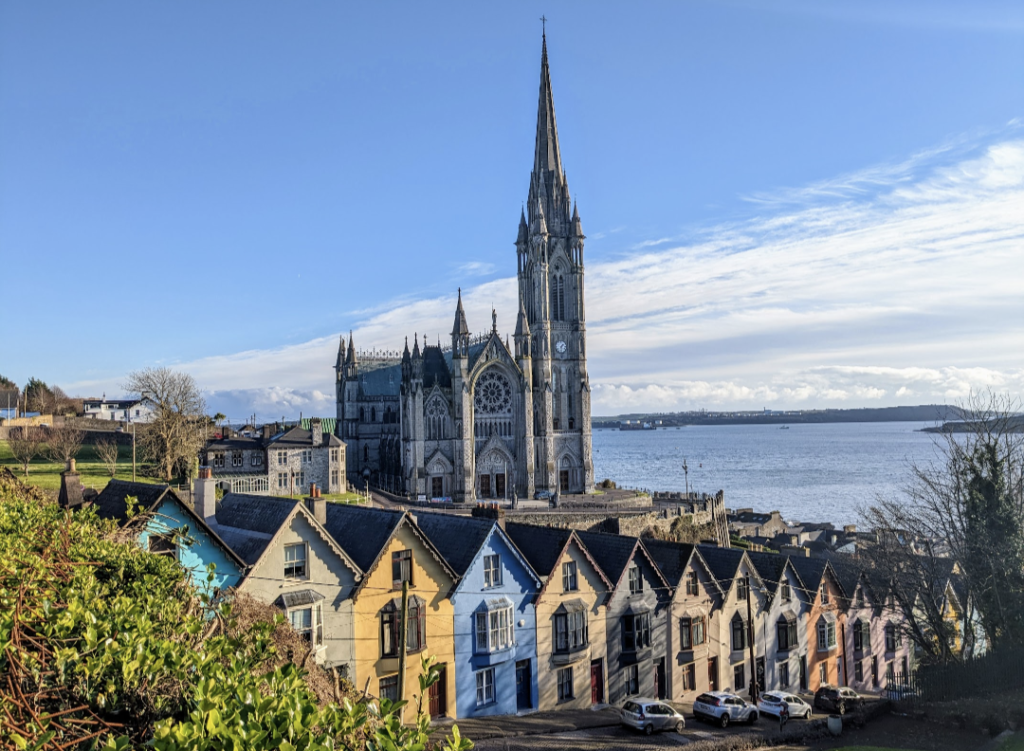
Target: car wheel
(648,729)
(752,719)
(723,721)
(841,709)
(679,726)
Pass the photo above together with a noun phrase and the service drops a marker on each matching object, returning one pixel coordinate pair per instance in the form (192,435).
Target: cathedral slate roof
(111,503)
(384,380)
(436,368)
(361,532)
(457,538)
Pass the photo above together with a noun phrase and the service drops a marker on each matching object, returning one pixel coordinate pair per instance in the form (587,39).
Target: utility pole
(133,452)
(686,474)
(750,646)
(403,642)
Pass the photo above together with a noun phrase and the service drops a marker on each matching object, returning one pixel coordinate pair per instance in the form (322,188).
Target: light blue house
(495,625)
(160,513)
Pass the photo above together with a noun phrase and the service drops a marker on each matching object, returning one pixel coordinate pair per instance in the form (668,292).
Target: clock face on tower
(560,347)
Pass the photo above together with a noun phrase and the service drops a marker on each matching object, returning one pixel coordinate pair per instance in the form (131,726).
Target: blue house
(495,624)
(159,514)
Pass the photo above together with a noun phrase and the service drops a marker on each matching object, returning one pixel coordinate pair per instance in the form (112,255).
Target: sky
(787,205)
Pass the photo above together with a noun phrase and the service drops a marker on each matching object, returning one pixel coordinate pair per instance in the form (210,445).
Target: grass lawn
(46,474)
(1013,743)
(333,497)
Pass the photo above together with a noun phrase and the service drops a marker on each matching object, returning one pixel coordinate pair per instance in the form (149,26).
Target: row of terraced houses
(523,617)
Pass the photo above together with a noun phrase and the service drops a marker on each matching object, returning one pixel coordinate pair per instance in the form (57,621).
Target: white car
(771,703)
(648,715)
(723,708)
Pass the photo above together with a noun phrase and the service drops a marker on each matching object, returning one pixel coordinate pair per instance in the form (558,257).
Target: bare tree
(177,433)
(25,444)
(63,443)
(108,452)
(961,521)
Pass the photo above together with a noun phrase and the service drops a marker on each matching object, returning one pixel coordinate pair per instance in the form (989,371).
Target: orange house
(826,622)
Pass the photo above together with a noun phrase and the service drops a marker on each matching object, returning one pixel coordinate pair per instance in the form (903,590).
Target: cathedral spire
(460,328)
(416,344)
(547,156)
(524,229)
(577,226)
(350,358)
(341,353)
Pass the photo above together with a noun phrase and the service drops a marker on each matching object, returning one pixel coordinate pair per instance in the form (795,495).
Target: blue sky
(787,204)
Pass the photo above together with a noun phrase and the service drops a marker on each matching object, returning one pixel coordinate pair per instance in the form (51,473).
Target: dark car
(839,700)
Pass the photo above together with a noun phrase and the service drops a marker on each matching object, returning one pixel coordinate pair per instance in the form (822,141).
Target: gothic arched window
(366,453)
(362,415)
(373,414)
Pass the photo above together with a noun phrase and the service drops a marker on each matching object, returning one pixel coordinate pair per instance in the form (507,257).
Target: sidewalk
(506,726)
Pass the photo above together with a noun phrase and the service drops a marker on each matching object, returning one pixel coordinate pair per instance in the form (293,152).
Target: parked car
(723,708)
(543,495)
(771,703)
(899,692)
(839,700)
(649,715)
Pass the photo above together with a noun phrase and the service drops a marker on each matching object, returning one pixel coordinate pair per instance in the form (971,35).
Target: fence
(995,671)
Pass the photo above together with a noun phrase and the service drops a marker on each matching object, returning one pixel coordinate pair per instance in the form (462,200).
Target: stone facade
(479,418)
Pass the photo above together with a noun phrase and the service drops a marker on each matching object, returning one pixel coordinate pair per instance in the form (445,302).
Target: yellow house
(571,632)
(390,549)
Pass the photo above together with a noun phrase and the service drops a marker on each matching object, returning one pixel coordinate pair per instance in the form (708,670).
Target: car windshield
(706,699)
(771,698)
(631,706)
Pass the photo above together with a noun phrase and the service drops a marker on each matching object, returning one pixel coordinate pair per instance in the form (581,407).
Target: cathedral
(477,419)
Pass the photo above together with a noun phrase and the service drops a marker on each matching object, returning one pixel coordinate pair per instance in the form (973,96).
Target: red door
(438,694)
(596,683)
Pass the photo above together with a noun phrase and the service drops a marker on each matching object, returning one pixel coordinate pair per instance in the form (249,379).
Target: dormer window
(823,590)
(741,588)
(787,592)
(691,583)
(401,568)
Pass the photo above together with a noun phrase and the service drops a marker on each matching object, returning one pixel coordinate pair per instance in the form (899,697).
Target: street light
(686,474)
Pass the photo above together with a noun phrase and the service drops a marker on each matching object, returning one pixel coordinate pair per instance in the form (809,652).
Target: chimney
(205,496)
(490,511)
(316,428)
(317,506)
(71,490)
(266,432)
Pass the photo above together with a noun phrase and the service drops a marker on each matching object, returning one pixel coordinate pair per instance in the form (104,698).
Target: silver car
(771,703)
(649,715)
(723,708)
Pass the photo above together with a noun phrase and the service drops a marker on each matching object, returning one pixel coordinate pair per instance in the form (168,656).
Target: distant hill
(938,413)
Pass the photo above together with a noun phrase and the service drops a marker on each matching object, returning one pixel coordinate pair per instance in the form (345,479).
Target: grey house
(637,615)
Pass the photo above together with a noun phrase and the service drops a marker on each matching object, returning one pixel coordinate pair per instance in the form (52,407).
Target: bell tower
(549,249)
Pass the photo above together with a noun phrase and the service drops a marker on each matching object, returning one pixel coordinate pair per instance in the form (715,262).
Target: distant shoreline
(937,413)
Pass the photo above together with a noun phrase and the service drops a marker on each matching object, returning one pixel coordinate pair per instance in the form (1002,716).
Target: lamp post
(750,646)
(686,474)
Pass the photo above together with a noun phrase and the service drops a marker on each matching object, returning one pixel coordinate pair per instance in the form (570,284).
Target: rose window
(493,394)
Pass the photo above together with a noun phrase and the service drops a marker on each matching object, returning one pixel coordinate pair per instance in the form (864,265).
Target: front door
(436,487)
(524,685)
(499,485)
(712,674)
(438,694)
(659,678)
(596,683)
(563,480)
(759,667)
(803,673)
(485,486)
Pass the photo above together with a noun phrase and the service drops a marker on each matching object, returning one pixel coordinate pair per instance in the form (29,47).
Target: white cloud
(899,282)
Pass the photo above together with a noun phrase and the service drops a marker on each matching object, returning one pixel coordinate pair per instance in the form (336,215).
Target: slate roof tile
(110,503)
(541,546)
(612,552)
(671,558)
(361,532)
(257,513)
(457,538)
(722,562)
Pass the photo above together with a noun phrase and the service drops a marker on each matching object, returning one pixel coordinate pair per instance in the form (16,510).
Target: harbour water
(817,472)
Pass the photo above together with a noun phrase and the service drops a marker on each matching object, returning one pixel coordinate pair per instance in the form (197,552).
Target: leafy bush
(105,645)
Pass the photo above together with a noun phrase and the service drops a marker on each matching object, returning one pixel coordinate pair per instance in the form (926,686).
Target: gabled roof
(769,566)
(614,552)
(848,574)
(671,557)
(544,546)
(723,563)
(363,533)
(298,438)
(457,538)
(111,504)
(812,571)
(257,513)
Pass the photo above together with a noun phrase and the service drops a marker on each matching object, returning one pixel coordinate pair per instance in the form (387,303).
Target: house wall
(767,639)
(327,574)
(832,658)
(519,585)
(317,470)
(430,582)
(654,599)
(691,606)
(194,558)
(728,658)
(592,592)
